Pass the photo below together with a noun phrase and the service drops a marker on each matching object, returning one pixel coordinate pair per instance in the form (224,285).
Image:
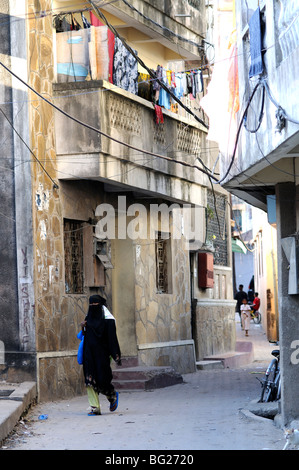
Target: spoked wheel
(257,318)
(268,389)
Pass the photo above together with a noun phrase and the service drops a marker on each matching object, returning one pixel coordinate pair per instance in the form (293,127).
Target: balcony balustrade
(128,119)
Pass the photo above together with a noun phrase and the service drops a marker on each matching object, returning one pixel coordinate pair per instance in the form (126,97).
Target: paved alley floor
(203,413)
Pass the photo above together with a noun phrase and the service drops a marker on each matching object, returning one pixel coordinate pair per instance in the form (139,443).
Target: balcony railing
(91,52)
(128,119)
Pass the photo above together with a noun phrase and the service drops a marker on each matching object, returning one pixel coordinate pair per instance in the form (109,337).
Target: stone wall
(57,316)
(163,320)
(215,328)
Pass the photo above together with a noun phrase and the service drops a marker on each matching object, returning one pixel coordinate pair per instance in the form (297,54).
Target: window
(73,256)
(216,231)
(163,263)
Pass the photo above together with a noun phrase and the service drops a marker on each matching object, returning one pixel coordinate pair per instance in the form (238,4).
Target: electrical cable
(238,133)
(165,28)
(278,106)
(261,115)
(55,185)
(150,71)
(103,133)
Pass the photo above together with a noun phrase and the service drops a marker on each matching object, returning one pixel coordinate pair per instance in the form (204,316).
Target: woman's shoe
(114,405)
(94,412)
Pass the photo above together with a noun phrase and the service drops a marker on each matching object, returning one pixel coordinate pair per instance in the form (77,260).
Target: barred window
(73,256)
(163,263)
(217,227)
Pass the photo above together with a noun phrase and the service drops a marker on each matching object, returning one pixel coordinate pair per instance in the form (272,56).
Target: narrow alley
(206,412)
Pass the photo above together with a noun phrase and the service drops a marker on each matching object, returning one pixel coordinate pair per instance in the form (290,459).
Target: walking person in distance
(246,316)
(240,295)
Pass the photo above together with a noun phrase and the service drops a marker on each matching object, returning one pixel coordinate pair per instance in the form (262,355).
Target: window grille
(163,265)
(73,256)
(217,228)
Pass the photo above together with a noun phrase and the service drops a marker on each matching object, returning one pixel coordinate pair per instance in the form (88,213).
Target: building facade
(106,191)
(262,168)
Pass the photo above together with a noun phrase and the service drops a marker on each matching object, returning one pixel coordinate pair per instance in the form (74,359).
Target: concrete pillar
(288,305)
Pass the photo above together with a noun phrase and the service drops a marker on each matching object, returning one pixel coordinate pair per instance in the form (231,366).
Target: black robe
(100,344)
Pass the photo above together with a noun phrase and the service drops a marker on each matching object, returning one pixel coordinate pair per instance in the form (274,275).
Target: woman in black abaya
(100,344)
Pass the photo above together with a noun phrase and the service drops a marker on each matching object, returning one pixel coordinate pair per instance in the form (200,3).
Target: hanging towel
(159,119)
(111,43)
(255,35)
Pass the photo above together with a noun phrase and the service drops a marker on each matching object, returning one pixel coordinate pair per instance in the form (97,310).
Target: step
(209,365)
(145,377)
(127,361)
(242,355)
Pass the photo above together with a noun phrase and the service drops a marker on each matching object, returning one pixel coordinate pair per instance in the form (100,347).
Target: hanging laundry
(145,89)
(189,83)
(164,96)
(219,105)
(98,53)
(74,24)
(111,44)
(181,84)
(125,68)
(159,118)
(156,84)
(196,84)
(233,76)
(255,35)
(72,55)
(61,23)
(85,22)
(164,99)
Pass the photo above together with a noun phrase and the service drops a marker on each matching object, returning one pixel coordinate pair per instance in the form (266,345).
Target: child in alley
(245,316)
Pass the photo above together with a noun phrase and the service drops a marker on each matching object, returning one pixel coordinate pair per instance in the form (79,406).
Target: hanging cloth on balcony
(145,89)
(111,43)
(159,119)
(125,68)
(255,35)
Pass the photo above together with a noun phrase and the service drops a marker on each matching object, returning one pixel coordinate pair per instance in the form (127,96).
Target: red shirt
(256,303)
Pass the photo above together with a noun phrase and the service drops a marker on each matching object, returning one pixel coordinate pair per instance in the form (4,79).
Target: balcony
(130,119)
(102,84)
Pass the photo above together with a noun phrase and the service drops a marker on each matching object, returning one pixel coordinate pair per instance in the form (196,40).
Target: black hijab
(96,317)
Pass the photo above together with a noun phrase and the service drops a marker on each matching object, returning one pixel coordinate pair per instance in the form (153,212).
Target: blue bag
(80,336)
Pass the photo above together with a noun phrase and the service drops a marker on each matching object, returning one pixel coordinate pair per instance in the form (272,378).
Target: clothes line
(181,84)
(89,50)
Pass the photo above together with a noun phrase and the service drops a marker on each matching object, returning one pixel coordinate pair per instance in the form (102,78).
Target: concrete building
(264,243)
(254,246)
(93,161)
(262,168)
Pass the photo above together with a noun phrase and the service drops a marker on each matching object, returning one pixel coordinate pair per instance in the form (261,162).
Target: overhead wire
(223,178)
(141,62)
(78,121)
(209,173)
(182,38)
(97,130)
(55,185)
